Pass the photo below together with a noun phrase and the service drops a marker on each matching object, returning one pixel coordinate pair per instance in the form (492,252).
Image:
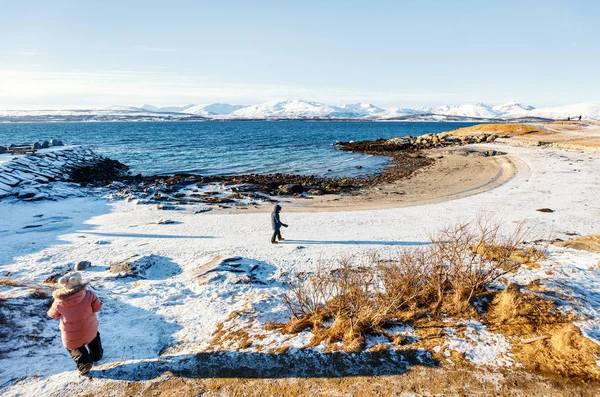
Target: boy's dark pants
(276,234)
(82,356)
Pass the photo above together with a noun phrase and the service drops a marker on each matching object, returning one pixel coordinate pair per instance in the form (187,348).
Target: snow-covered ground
(160,321)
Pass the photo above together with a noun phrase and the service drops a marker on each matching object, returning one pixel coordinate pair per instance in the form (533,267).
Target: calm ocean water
(229,147)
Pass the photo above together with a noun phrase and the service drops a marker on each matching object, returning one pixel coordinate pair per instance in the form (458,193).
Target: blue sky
(81,54)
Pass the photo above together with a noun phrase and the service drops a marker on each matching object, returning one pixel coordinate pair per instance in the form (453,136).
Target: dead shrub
(309,293)
(470,256)
(359,296)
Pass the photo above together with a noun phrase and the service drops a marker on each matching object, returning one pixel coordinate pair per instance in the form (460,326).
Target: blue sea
(227,147)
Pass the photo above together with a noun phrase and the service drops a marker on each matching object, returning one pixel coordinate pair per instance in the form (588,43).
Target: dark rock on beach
(291,189)
(102,170)
(136,266)
(82,265)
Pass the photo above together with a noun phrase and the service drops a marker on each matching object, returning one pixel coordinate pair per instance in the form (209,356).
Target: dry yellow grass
(561,134)
(588,243)
(566,352)
(499,129)
(528,256)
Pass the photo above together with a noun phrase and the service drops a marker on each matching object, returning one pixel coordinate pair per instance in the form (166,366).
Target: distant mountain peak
(512,106)
(213,109)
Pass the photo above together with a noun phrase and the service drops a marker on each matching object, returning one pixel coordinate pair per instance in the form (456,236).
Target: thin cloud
(153,49)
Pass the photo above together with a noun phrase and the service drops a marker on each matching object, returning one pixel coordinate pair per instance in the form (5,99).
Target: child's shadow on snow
(132,333)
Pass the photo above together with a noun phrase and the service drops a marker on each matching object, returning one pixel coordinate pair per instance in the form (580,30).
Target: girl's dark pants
(82,356)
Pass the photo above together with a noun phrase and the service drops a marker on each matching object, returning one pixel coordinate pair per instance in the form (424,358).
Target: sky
(88,54)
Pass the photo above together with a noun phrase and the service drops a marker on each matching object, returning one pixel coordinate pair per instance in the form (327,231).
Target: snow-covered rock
(27,177)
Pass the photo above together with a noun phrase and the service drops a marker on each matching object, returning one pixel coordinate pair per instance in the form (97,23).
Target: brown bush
(360,296)
(470,256)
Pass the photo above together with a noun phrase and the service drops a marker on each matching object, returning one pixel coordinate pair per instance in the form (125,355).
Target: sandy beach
(158,328)
(456,173)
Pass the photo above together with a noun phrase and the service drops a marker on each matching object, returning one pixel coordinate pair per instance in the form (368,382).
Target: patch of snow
(480,346)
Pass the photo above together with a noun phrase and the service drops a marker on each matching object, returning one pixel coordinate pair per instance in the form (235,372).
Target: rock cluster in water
(411,143)
(252,189)
(231,269)
(28,177)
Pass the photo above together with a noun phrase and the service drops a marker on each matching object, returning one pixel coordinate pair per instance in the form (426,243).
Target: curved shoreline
(463,176)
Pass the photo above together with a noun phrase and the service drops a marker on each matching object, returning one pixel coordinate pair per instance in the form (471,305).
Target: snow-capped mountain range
(299,109)
(305,110)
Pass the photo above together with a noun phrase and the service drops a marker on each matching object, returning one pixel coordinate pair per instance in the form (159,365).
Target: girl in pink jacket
(76,307)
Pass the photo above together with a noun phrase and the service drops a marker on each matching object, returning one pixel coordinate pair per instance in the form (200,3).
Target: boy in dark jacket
(276,225)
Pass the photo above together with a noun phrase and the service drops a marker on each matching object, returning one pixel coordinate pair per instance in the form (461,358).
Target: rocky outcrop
(133,267)
(82,265)
(410,143)
(588,243)
(99,171)
(26,176)
(230,269)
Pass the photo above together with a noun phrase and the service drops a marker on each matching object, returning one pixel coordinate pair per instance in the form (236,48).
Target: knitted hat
(70,280)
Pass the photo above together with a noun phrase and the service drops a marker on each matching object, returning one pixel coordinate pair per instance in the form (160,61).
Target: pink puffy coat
(77,311)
